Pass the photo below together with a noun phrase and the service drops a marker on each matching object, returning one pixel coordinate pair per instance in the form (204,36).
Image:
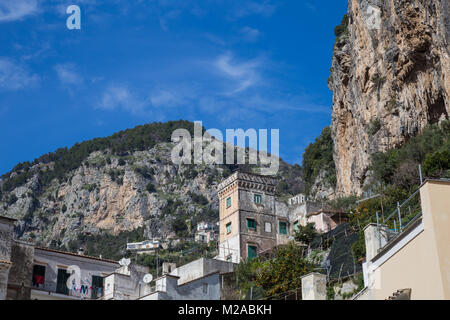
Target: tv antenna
(124,262)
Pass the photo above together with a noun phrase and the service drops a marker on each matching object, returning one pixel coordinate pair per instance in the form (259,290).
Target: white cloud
(68,75)
(244,74)
(12,10)
(120,97)
(165,98)
(14,76)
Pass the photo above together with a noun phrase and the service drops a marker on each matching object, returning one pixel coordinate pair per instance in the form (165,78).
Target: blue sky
(231,64)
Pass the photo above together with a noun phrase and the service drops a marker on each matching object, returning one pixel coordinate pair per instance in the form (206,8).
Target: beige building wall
(436,200)
(322,222)
(421,259)
(242,189)
(229,214)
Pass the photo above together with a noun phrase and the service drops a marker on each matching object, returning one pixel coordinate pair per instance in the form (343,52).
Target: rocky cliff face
(113,197)
(390,77)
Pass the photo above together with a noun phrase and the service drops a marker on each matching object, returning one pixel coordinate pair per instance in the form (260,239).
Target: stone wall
(6,242)
(21,272)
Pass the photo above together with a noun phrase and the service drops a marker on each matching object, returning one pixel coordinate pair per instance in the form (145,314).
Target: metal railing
(402,216)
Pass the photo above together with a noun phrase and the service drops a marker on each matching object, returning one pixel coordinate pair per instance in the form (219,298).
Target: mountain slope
(118,184)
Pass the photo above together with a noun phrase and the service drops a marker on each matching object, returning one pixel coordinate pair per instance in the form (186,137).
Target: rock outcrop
(390,77)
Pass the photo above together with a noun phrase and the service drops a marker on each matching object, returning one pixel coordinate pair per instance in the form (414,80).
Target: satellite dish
(148,278)
(124,262)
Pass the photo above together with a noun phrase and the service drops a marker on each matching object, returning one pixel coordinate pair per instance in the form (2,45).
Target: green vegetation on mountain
(318,157)
(342,29)
(399,167)
(120,144)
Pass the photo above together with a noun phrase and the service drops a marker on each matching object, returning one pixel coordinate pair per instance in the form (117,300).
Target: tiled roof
(76,255)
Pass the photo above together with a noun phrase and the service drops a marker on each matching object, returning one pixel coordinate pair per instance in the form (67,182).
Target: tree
(246,272)
(180,227)
(283,272)
(306,233)
(436,163)
(342,28)
(318,156)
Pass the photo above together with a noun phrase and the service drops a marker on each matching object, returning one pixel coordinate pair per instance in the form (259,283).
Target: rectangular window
(205,288)
(296,226)
(228,227)
(257,198)
(38,276)
(61,281)
(252,252)
(251,224)
(228,202)
(283,227)
(268,227)
(97,287)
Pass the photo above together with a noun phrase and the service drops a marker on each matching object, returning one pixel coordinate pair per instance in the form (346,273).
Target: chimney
(314,286)
(168,267)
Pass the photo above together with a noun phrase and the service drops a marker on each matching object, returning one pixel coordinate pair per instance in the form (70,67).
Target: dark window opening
(97,287)
(251,224)
(283,227)
(257,198)
(61,281)
(252,252)
(38,276)
(228,202)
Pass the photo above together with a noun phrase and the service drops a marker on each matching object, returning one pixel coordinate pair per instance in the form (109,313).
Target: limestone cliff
(390,77)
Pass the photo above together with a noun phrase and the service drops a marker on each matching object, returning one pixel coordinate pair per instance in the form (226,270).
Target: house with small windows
(205,232)
(205,236)
(253,221)
(39,273)
(146,246)
(202,279)
(60,275)
(249,223)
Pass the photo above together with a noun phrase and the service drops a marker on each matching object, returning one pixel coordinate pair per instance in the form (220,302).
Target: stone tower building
(248,221)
